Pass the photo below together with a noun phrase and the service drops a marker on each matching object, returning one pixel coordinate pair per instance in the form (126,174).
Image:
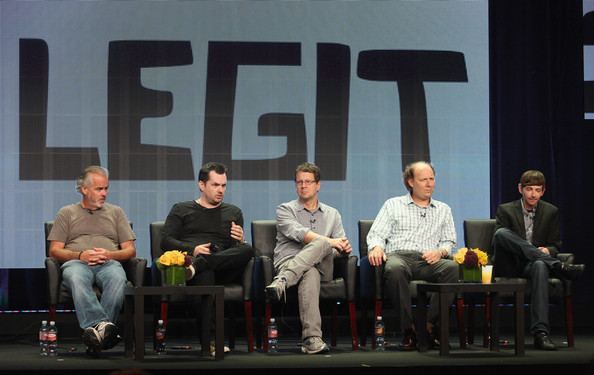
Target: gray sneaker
(108,332)
(313,345)
(276,290)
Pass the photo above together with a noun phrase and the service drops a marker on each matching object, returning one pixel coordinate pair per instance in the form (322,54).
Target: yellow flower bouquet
(172,265)
(471,261)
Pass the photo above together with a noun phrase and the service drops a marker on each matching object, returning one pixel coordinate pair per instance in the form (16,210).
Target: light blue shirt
(401,225)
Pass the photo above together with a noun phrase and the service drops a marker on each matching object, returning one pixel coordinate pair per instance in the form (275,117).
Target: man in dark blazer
(526,244)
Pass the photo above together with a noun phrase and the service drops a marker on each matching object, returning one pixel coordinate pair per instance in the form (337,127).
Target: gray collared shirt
(528,220)
(401,225)
(293,222)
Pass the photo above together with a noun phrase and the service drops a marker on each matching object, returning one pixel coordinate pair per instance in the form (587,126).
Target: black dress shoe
(434,339)
(409,342)
(571,271)
(542,341)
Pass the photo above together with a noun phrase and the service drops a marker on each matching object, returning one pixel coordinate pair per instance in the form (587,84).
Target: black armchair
(340,289)
(235,293)
(57,293)
(478,233)
(372,286)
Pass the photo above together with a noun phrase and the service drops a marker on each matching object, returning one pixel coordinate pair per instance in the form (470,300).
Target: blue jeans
(79,278)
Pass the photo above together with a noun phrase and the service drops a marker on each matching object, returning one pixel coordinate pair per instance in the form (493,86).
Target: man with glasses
(310,235)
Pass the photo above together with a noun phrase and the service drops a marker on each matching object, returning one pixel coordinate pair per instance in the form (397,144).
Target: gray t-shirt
(81,229)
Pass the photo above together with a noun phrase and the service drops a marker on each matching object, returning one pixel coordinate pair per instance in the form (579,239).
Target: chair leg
(378,312)
(353,320)
(52,313)
(231,330)
(249,325)
(470,325)
(460,317)
(334,325)
(267,316)
(363,337)
(569,321)
(487,323)
(164,309)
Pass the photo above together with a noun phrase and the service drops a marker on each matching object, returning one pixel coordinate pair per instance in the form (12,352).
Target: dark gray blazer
(545,232)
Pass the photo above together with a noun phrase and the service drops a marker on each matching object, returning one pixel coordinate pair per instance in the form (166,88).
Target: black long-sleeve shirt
(190,224)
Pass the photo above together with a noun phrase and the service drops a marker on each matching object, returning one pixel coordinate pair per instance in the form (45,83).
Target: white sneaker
(314,345)
(226,349)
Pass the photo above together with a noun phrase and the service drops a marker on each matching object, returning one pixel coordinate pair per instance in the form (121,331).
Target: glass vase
(470,274)
(174,276)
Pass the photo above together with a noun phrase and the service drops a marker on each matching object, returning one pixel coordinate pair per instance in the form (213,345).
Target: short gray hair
(83,179)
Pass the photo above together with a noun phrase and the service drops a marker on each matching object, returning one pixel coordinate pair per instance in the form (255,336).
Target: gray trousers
(313,264)
(401,268)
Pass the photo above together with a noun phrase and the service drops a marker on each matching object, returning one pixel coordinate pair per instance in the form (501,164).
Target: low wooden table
(446,290)
(134,301)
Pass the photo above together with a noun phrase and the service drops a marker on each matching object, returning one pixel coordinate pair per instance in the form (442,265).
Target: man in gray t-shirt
(91,238)
(309,236)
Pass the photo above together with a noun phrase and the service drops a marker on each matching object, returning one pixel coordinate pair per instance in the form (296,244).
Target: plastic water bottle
(160,347)
(52,339)
(379,332)
(43,338)
(272,336)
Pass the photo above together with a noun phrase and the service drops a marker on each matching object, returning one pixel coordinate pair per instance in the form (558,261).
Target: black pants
(532,264)
(223,267)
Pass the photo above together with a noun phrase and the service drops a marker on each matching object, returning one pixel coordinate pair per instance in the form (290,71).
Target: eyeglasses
(304,182)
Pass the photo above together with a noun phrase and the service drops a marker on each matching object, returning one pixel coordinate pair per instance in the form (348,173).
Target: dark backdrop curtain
(537,116)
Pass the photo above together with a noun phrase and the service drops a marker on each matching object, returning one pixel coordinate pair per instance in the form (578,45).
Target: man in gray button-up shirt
(309,236)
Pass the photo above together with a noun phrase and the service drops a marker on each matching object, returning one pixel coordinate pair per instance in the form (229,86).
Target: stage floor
(22,355)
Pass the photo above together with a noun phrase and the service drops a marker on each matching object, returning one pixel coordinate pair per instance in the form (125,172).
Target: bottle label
(272,333)
(379,331)
(51,336)
(160,335)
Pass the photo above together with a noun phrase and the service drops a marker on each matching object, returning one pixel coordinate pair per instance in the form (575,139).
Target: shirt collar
(527,211)
(301,207)
(409,201)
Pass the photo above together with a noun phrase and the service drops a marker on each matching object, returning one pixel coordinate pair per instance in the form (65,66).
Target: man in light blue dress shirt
(413,235)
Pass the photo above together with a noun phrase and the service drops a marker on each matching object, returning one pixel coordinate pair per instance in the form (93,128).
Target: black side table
(447,289)
(134,301)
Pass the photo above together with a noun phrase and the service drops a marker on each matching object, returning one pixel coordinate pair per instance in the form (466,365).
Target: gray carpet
(22,355)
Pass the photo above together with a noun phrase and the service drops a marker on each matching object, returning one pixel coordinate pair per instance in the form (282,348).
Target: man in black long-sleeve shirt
(212,232)
(209,230)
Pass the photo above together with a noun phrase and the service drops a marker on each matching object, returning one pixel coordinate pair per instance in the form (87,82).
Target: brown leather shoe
(409,342)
